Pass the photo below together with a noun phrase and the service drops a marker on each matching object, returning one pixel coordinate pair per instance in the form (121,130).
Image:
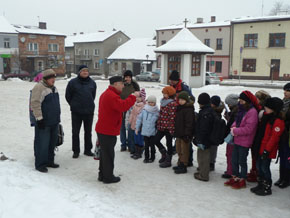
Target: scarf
(240,115)
(151,109)
(165,101)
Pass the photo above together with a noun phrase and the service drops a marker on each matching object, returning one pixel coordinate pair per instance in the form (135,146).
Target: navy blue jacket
(80,95)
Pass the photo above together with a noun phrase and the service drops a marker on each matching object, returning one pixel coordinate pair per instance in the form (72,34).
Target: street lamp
(147,56)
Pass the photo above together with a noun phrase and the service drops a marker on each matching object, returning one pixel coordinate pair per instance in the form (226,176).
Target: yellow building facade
(260,48)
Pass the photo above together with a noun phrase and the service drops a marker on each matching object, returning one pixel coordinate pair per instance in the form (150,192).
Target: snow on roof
(5,26)
(88,37)
(260,19)
(135,49)
(35,30)
(184,41)
(197,25)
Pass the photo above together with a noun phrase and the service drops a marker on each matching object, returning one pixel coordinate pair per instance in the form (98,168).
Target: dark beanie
(276,104)
(115,79)
(82,67)
(203,99)
(183,95)
(128,73)
(215,100)
(174,76)
(287,87)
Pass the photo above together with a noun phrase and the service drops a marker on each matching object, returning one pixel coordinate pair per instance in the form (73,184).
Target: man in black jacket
(203,130)
(80,95)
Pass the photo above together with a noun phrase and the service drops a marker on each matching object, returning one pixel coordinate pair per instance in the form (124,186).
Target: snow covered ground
(72,191)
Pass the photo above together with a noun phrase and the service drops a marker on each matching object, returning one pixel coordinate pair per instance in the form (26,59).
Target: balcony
(85,57)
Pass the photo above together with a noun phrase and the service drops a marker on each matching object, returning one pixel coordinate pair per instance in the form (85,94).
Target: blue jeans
(45,141)
(239,161)
(264,171)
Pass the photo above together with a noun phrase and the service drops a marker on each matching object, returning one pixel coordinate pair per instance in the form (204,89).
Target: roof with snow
(185,42)
(89,37)
(5,26)
(135,49)
(35,30)
(197,25)
(260,19)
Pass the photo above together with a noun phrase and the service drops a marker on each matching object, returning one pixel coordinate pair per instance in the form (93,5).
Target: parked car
(17,74)
(148,76)
(212,78)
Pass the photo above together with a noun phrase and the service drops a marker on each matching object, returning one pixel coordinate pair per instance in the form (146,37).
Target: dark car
(21,74)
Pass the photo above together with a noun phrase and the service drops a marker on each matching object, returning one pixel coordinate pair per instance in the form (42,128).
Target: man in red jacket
(111,107)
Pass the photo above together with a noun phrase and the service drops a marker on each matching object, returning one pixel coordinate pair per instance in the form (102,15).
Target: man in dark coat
(111,108)
(80,95)
(130,86)
(45,108)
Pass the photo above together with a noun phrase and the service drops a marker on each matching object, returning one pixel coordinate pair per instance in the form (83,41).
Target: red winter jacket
(271,138)
(111,107)
(166,120)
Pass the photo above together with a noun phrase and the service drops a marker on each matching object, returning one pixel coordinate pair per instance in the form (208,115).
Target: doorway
(275,69)
(174,61)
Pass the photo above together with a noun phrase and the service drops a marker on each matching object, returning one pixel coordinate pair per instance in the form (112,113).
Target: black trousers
(149,147)
(159,135)
(107,156)
(77,120)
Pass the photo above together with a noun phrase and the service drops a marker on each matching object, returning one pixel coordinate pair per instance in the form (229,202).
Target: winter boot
(177,166)
(163,155)
(135,152)
(212,167)
(265,190)
(226,175)
(182,169)
(252,176)
(231,181)
(258,187)
(241,183)
(278,182)
(138,153)
(167,162)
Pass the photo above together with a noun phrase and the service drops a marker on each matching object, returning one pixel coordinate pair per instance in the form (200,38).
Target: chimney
(212,19)
(199,20)
(81,33)
(101,31)
(75,34)
(42,25)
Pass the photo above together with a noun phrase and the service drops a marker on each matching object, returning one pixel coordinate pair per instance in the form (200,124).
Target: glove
(265,155)
(186,139)
(40,124)
(201,146)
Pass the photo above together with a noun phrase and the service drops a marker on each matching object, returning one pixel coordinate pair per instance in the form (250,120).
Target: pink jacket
(137,108)
(244,135)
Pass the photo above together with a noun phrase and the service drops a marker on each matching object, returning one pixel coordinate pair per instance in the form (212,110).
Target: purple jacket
(244,135)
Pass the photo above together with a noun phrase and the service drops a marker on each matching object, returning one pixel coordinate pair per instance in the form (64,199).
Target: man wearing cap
(45,107)
(130,86)
(111,108)
(80,95)
(178,84)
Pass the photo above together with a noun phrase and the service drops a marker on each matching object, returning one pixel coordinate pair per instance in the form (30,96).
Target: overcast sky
(137,18)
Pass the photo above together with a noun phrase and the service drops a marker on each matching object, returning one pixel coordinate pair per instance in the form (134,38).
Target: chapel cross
(185,22)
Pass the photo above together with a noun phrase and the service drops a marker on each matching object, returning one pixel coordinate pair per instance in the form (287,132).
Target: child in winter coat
(261,96)
(218,106)
(184,123)
(270,130)
(146,122)
(138,138)
(165,125)
(244,130)
(232,101)
(284,149)
(203,131)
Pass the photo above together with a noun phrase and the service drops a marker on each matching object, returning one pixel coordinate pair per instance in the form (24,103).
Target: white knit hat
(152,99)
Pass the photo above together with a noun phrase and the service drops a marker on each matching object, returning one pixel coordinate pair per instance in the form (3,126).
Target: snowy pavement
(72,191)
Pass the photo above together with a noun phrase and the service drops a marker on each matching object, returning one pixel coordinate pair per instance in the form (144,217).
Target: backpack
(60,135)
(218,130)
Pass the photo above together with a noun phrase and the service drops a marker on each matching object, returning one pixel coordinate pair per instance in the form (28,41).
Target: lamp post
(147,57)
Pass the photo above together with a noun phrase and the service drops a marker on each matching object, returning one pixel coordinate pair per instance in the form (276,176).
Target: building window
(196,62)
(116,66)
(277,40)
(32,36)
(207,42)
(97,65)
(218,66)
(219,44)
(78,51)
(32,46)
(86,52)
(6,43)
(249,65)
(96,52)
(53,47)
(251,41)
(163,42)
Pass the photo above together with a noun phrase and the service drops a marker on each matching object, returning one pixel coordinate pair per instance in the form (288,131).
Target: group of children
(259,123)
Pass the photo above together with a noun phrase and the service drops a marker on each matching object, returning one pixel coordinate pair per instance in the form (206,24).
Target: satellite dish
(22,39)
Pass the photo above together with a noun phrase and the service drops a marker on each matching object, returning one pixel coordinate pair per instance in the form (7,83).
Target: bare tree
(16,61)
(279,7)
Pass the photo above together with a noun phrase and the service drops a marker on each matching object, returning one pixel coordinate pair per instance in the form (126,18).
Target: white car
(212,78)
